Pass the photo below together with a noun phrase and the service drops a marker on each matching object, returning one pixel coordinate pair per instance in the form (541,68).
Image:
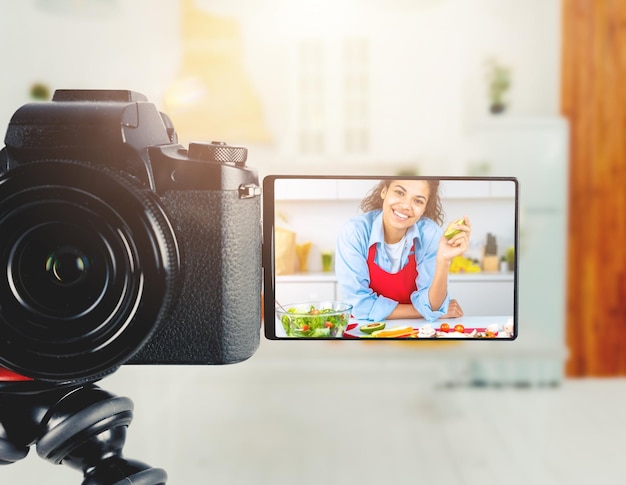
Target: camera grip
(218,317)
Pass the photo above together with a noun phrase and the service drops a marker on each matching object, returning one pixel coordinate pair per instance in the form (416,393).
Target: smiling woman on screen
(392,261)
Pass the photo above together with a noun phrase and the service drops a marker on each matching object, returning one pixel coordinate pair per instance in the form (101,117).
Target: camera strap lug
(248,191)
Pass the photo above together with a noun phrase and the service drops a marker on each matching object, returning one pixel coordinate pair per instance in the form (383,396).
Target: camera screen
(390,257)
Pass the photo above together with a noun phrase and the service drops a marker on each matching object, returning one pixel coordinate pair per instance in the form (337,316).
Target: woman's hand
(447,250)
(454,310)
(457,244)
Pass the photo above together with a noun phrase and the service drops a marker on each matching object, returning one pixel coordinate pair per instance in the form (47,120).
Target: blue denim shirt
(353,243)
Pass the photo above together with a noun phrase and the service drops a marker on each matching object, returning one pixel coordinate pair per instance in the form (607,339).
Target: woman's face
(404,202)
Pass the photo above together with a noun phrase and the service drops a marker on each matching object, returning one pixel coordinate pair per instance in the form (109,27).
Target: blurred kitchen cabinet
(477,189)
(535,150)
(357,189)
(501,189)
(354,189)
(302,189)
(464,189)
(323,189)
(298,288)
(483,294)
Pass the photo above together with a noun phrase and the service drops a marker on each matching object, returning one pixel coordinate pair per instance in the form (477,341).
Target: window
(332,102)
(312,94)
(356,95)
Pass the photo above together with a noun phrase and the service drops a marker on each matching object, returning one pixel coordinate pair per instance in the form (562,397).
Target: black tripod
(82,426)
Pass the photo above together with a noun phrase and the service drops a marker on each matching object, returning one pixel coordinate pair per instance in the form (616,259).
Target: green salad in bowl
(324,319)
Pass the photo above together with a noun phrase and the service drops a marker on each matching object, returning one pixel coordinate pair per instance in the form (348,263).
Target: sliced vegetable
(451,231)
(405,331)
(372,327)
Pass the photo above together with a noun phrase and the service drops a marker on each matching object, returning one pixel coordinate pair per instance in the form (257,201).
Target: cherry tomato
(444,327)
(328,324)
(459,328)
(305,328)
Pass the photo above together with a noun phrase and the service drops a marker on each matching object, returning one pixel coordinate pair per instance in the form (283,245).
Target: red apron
(396,286)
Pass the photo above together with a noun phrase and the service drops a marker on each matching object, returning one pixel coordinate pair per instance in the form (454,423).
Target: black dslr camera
(119,245)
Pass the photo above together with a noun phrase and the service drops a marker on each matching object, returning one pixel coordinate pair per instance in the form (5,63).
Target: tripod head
(82,426)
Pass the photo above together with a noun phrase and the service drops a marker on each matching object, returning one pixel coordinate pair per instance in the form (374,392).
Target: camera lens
(59,269)
(90,265)
(68,266)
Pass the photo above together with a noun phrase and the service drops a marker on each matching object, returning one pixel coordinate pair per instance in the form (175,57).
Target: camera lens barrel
(90,263)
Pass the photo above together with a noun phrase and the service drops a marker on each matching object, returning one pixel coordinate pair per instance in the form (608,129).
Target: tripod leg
(86,430)
(10,452)
(20,415)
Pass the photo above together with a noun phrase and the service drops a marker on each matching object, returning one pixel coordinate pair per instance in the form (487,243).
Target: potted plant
(510,258)
(499,82)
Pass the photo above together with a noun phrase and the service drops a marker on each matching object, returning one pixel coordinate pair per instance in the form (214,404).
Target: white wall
(89,44)
(427,72)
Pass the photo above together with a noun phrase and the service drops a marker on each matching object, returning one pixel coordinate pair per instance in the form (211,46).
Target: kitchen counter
(482,276)
(484,293)
(469,322)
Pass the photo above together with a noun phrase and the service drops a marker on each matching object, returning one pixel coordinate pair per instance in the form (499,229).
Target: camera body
(119,245)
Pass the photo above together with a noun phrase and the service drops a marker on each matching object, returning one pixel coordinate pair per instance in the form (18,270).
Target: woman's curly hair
(434,210)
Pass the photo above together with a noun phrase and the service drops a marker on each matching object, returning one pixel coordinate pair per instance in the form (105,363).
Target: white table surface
(467,321)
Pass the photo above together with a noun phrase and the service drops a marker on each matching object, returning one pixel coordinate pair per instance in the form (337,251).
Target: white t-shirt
(394,253)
